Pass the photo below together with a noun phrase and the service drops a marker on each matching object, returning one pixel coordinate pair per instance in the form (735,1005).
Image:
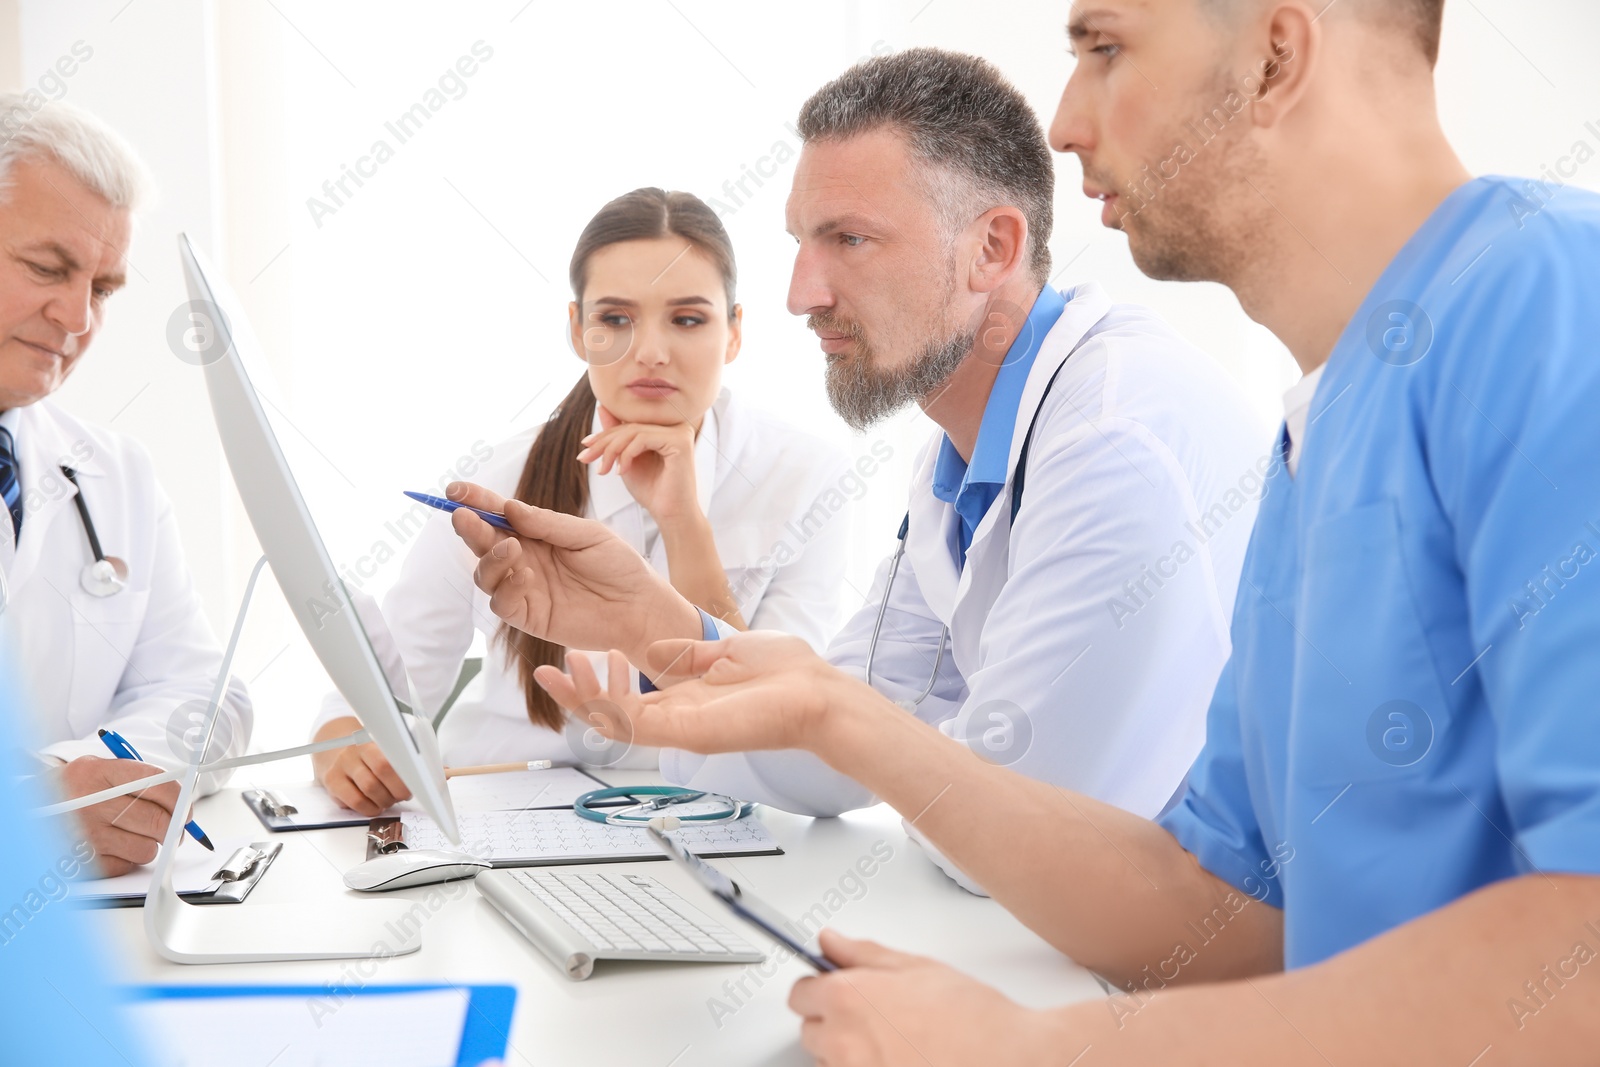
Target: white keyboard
(507,838)
(578,916)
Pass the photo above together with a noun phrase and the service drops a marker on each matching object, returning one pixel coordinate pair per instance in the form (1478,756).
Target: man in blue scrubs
(1388,849)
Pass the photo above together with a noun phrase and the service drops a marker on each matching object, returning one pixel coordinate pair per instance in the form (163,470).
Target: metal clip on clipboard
(272,804)
(238,874)
(242,862)
(385,835)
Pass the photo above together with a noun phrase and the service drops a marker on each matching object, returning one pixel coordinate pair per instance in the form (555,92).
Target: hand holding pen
(122,750)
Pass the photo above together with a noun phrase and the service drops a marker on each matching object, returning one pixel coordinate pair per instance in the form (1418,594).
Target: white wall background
(427,312)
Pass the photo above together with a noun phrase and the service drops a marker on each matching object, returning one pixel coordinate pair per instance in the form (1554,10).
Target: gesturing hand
(611,711)
(656,463)
(566,579)
(756,690)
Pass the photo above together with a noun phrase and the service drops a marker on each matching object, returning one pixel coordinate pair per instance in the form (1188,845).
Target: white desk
(643,1014)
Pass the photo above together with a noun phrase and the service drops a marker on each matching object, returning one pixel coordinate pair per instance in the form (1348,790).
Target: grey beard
(862,394)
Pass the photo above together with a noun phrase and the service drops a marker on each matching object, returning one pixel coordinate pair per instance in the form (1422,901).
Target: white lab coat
(1140,437)
(142,662)
(778,500)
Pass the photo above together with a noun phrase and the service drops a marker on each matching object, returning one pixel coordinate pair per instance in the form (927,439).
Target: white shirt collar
(1296,408)
(608,495)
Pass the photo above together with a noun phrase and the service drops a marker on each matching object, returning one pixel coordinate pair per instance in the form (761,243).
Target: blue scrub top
(59,1006)
(1410,712)
(973,488)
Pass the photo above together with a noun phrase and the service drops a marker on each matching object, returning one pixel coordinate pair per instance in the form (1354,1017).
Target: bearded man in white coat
(1076,523)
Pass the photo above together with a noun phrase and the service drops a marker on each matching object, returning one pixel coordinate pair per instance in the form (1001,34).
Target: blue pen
(122,750)
(497,521)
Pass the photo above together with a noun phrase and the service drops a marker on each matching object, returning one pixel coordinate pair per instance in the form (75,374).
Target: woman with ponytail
(742,513)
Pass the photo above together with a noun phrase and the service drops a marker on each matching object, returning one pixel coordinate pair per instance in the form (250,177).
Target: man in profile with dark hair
(1077,521)
(1388,851)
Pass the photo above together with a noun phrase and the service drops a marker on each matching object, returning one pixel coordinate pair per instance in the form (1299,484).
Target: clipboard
(233,875)
(279,811)
(485,1028)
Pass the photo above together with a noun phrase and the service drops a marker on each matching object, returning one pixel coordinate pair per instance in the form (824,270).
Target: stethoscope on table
(900,550)
(661,797)
(107,575)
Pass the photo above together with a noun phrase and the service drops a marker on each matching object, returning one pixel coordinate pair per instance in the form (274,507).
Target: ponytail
(553,479)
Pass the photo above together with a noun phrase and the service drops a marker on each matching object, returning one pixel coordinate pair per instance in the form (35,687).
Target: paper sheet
(557,787)
(511,838)
(419,1029)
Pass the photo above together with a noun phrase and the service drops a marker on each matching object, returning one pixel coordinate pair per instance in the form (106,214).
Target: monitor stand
(346,927)
(342,928)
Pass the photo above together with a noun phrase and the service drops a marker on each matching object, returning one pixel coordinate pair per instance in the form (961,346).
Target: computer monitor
(228,351)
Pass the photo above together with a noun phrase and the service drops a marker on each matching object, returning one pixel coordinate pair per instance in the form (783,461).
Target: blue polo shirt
(1410,710)
(971,488)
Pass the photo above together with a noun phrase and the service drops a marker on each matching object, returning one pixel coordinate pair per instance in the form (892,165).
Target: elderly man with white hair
(100,625)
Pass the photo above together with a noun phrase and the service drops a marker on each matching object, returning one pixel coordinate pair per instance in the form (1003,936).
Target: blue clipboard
(484,1034)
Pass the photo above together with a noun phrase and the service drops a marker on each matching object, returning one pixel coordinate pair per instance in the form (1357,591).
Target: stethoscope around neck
(877,626)
(106,575)
(1018,482)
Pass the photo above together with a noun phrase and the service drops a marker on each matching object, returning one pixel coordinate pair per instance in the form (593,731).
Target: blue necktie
(11,479)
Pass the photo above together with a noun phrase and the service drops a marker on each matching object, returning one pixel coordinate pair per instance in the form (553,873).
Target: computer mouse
(412,866)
